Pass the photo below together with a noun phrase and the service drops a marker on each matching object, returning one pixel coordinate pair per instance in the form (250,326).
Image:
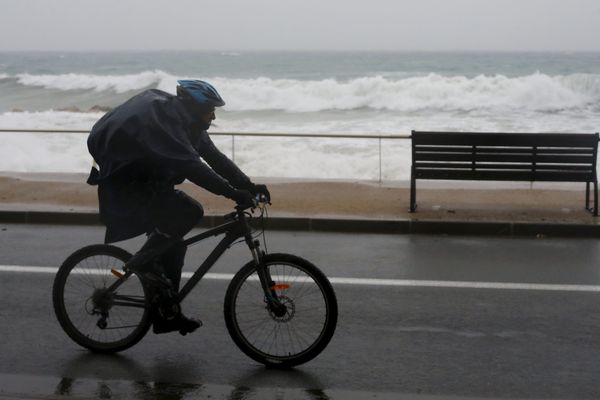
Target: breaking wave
(427,92)
(98,83)
(432,92)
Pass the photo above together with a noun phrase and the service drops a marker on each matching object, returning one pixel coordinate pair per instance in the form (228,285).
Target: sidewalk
(447,207)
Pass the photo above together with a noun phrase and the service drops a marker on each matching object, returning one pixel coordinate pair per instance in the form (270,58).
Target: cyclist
(144,147)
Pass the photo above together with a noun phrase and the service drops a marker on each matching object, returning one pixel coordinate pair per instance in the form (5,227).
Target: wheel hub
(101,301)
(288,310)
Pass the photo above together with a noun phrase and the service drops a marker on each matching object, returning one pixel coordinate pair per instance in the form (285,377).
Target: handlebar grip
(261,198)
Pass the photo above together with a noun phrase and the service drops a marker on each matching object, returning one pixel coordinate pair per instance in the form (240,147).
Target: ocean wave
(433,92)
(49,119)
(430,92)
(357,122)
(100,83)
(67,152)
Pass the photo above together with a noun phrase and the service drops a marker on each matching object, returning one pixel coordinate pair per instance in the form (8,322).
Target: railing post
(380,173)
(233,148)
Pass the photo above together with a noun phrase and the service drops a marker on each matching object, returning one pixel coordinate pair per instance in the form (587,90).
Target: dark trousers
(174,213)
(129,208)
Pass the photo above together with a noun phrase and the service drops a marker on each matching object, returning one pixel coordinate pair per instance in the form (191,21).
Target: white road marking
(365,281)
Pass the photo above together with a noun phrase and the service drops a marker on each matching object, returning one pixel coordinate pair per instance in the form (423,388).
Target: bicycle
(279,309)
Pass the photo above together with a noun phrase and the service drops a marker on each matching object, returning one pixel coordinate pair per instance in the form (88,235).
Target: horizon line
(241,51)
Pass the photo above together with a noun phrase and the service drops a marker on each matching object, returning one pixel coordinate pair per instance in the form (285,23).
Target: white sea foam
(341,158)
(533,103)
(48,120)
(44,152)
(432,92)
(317,158)
(280,157)
(116,83)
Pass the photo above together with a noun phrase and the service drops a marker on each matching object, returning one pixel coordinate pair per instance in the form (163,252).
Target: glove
(242,197)
(261,189)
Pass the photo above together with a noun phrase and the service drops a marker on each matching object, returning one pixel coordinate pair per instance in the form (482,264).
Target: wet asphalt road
(391,342)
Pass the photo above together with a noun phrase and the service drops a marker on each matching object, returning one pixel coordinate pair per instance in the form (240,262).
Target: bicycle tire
(78,288)
(302,287)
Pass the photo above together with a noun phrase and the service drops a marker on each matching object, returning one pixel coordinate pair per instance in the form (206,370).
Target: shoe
(179,323)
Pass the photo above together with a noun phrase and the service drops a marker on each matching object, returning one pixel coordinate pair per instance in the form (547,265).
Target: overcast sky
(228,25)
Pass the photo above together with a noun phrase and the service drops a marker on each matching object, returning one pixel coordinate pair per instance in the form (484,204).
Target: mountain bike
(280,309)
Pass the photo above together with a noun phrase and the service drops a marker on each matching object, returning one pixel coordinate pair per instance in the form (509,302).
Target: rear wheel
(93,315)
(289,336)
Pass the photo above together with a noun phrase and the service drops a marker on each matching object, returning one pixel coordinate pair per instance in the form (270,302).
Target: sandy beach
(460,201)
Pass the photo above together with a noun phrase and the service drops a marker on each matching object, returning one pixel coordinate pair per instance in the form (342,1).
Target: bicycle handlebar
(259,198)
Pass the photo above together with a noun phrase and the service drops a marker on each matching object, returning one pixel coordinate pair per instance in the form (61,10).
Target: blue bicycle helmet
(201,92)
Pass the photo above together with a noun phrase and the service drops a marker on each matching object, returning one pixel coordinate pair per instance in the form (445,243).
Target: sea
(379,94)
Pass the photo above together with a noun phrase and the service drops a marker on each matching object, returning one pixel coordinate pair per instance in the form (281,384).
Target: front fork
(266,281)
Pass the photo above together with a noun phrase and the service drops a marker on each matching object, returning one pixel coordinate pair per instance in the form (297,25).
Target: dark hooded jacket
(144,147)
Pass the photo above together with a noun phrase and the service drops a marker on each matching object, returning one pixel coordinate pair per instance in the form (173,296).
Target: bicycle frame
(234,230)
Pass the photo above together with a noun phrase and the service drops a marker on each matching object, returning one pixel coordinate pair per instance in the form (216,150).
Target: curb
(496,228)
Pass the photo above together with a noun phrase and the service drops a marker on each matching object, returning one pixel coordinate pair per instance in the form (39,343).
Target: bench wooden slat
(546,150)
(504,150)
(466,165)
(494,175)
(505,139)
(508,158)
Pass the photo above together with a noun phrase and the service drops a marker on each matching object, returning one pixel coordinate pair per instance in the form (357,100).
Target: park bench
(549,157)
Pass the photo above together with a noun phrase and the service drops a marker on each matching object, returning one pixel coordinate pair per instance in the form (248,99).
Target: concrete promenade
(443,207)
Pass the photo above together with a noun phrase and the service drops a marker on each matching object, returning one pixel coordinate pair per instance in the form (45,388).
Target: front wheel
(287,337)
(96,306)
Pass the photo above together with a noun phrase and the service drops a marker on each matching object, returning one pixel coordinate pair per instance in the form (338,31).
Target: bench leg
(413,194)
(587,195)
(593,210)
(595,198)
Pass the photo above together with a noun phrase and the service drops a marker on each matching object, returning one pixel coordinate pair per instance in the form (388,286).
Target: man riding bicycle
(145,147)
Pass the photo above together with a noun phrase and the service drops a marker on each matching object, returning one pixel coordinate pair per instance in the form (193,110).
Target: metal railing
(233,136)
